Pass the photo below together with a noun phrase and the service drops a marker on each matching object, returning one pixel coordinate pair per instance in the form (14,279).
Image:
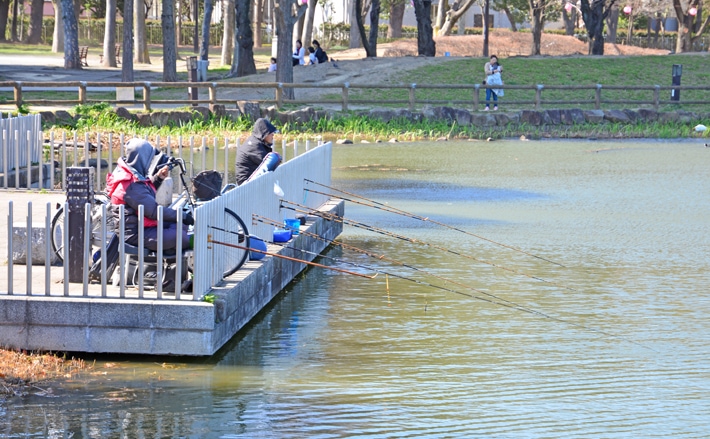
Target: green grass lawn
(584,70)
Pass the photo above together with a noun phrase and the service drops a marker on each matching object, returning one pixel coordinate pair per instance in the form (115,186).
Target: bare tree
(71,37)
(538,13)
(167,22)
(286,14)
(109,58)
(425,33)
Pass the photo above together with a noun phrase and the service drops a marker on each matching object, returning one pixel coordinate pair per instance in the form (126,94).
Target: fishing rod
(494,300)
(386,208)
(276,255)
(374,229)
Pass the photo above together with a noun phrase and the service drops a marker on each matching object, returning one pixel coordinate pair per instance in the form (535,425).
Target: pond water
(583,312)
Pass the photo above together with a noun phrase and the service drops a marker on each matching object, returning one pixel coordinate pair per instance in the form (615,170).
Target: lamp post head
(693,11)
(627,10)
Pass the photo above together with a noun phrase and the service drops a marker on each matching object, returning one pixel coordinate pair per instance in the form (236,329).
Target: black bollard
(677,72)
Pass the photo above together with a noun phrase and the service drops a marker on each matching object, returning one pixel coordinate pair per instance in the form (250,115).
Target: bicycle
(234,230)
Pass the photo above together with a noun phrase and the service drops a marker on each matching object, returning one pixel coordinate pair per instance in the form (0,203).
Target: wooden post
(412,96)
(346,88)
(598,97)
(146,96)
(538,96)
(18,93)
(656,96)
(476,96)
(279,95)
(82,92)
(213,95)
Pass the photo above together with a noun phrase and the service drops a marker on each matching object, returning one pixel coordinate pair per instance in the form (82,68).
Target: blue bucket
(292,224)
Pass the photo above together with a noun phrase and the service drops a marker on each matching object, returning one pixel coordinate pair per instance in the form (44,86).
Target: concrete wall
(153,327)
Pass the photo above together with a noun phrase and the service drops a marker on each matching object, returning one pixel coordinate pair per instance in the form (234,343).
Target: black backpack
(207,185)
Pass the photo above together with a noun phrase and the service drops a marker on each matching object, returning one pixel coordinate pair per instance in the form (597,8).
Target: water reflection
(339,356)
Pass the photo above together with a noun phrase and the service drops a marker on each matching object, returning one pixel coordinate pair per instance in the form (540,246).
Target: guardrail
(346,95)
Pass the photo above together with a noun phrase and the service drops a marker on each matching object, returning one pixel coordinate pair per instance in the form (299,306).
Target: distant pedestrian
(493,77)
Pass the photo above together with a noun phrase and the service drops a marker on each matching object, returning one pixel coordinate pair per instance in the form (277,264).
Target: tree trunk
(4,16)
(285,21)
(58,34)
(228,35)
(127,61)
(486,27)
(258,20)
(141,43)
(569,19)
(167,22)
(593,16)
(394,30)
(453,16)
(110,35)
(196,19)
(612,25)
(537,20)
(370,44)
(355,40)
(441,15)
(15,14)
(206,19)
(245,39)
(511,19)
(425,32)
(307,35)
(71,37)
(35,34)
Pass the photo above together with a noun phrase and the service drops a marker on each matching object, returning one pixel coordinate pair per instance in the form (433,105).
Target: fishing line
(386,208)
(498,300)
(374,229)
(276,255)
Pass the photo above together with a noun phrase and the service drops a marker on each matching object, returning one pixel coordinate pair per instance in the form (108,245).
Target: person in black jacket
(252,152)
(321,56)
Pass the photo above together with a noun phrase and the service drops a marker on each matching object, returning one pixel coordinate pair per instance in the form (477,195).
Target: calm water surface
(613,343)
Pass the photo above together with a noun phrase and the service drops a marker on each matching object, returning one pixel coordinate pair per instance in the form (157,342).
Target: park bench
(117,49)
(83,52)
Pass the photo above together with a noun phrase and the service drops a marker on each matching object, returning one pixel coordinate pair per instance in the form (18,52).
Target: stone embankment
(462,117)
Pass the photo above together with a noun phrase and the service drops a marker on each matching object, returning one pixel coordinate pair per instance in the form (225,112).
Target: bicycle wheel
(234,232)
(58,227)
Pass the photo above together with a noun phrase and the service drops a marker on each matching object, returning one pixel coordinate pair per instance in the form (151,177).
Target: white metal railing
(256,197)
(20,147)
